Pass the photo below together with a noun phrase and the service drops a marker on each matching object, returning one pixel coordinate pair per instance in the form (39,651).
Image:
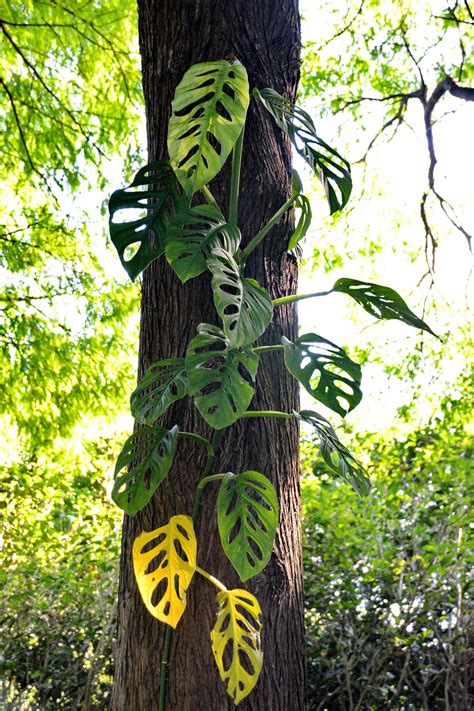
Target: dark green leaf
(325,370)
(380,301)
(193,233)
(209,109)
(247,516)
(333,171)
(147,455)
(335,454)
(155,203)
(219,377)
(163,383)
(243,305)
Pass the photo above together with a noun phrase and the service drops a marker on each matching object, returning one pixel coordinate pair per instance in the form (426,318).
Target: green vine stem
(235,179)
(211,579)
(209,197)
(253,244)
(267,349)
(164,667)
(299,297)
(197,438)
(210,461)
(267,413)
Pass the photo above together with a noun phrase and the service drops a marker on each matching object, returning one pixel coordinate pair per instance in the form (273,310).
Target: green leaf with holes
(208,114)
(153,194)
(335,454)
(333,171)
(247,517)
(163,383)
(380,301)
(146,458)
(220,378)
(192,235)
(243,305)
(325,370)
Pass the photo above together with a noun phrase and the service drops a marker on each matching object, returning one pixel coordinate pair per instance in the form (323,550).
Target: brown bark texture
(264,35)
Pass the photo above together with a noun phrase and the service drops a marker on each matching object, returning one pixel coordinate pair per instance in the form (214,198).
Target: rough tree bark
(264,36)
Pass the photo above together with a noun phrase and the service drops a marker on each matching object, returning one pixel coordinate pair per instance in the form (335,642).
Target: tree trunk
(264,36)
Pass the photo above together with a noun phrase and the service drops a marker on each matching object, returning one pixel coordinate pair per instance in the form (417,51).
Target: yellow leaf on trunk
(164,561)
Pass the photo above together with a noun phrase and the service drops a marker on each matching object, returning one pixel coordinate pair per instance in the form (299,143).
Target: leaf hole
(152,543)
(222,111)
(235,530)
(159,592)
(130,251)
(202,100)
(155,563)
(183,531)
(245,662)
(180,550)
(255,548)
(227,89)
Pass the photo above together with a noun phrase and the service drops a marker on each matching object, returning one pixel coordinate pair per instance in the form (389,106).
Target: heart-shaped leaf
(164,561)
(193,234)
(153,195)
(243,305)
(247,517)
(325,370)
(208,114)
(380,301)
(147,457)
(219,376)
(333,171)
(163,383)
(335,454)
(235,642)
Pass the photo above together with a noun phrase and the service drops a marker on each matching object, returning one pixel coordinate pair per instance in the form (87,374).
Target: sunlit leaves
(153,195)
(243,305)
(333,170)
(147,457)
(164,561)
(236,642)
(192,235)
(335,454)
(209,109)
(325,370)
(220,378)
(163,383)
(247,516)
(380,301)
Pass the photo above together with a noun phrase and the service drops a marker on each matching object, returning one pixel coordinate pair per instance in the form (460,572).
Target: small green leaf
(243,305)
(155,203)
(335,454)
(304,221)
(247,517)
(147,455)
(333,171)
(380,301)
(193,233)
(219,377)
(163,383)
(325,370)
(208,114)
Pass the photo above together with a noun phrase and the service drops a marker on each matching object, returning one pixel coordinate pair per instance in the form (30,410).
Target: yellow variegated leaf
(164,561)
(236,642)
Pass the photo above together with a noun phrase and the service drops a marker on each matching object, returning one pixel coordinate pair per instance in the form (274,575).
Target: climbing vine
(220,366)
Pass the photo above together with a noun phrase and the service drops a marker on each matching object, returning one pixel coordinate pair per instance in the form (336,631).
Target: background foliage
(386,578)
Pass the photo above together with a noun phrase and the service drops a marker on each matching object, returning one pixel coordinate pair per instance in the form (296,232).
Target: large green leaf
(243,305)
(163,383)
(153,194)
(219,376)
(335,454)
(208,114)
(147,457)
(247,517)
(333,170)
(325,370)
(193,233)
(380,301)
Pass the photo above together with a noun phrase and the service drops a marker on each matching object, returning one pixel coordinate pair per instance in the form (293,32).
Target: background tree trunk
(264,35)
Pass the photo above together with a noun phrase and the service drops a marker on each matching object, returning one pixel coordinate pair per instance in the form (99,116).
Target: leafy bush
(387,577)
(59,558)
